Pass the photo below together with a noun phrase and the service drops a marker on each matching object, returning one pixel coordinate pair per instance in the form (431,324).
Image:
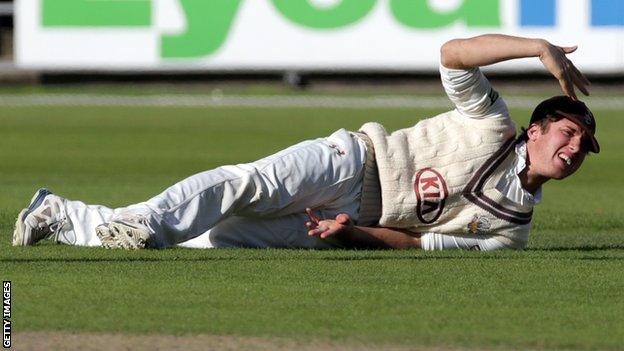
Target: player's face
(558,151)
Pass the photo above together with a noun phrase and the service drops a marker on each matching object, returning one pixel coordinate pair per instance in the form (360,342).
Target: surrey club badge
(479,225)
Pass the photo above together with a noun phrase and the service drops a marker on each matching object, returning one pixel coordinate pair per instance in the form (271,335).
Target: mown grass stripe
(275,101)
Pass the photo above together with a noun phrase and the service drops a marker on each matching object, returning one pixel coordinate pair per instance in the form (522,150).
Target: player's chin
(565,173)
(557,174)
(560,176)
(560,170)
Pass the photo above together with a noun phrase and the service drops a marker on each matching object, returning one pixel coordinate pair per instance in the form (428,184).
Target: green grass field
(564,292)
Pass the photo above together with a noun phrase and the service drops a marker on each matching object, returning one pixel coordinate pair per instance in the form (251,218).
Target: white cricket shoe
(128,233)
(44,217)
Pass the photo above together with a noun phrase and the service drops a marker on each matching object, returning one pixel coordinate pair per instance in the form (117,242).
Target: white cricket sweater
(441,174)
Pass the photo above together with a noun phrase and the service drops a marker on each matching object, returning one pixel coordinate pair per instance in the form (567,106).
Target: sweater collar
(511,186)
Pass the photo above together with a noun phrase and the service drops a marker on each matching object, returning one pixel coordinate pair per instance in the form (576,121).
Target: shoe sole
(122,236)
(19,236)
(18,232)
(106,239)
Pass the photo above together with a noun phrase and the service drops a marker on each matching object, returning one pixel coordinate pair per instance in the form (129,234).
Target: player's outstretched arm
(492,48)
(343,229)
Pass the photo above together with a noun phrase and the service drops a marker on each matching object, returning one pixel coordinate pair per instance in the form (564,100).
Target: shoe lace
(47,230)
(51,221)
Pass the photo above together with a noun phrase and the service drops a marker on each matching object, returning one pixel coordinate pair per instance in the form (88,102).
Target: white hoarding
(387,35)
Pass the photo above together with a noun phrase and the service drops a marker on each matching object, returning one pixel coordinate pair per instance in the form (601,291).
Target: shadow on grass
(578,248)
(340,256)
(217,259)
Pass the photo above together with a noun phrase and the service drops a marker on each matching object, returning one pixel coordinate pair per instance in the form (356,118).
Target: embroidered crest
(479,225)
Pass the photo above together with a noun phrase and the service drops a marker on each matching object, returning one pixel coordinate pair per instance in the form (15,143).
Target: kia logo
(431,191)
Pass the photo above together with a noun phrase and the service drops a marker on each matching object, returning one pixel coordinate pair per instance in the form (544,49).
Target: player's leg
(51,216)
(84,219)
(65,221)
(317,173)
(74,222)
(246,232)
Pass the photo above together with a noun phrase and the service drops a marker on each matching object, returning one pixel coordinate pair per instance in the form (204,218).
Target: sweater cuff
(370,202)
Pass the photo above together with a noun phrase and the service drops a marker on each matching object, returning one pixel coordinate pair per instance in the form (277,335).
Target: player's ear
(534,131)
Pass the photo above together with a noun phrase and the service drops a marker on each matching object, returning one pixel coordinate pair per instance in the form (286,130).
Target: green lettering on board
(96,13)
(418,14)
(342,14)
(208,23)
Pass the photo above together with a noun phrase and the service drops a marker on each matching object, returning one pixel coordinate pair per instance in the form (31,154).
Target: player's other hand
(324,228)
(556,62)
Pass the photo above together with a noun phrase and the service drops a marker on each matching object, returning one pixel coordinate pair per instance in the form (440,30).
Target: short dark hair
(576,111)
(543,123)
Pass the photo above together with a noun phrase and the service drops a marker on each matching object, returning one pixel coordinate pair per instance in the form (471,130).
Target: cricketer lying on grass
(461,179)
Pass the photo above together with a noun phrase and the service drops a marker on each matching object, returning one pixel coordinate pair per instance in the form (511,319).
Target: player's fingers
(569,77)
(567,86)
(324,232)
(343,218)
(327,233)
(312,216)
(315,232)
(570,85)
(580,75)
(569,49)
(580,84)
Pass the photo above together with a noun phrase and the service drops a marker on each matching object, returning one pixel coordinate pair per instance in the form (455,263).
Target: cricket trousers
(258,204)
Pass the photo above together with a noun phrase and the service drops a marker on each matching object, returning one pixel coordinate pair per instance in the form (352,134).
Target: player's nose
(575,144)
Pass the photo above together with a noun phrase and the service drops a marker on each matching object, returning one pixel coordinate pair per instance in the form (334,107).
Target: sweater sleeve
(437,241)
(472,94)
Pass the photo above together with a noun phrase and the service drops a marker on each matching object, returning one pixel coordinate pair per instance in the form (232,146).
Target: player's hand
(554,59)
(324,228)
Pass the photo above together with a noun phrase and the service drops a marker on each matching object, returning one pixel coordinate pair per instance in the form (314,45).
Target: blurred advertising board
(305,35)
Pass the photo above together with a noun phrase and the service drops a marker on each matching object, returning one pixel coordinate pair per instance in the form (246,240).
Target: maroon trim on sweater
(474,190)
